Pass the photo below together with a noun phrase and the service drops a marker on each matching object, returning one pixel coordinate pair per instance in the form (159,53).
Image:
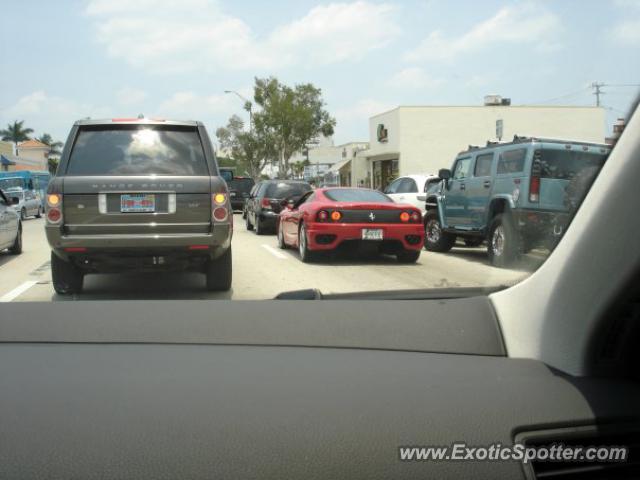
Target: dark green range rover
(142,195)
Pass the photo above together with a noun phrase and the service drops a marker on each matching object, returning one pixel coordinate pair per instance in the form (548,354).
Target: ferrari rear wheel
(306,255)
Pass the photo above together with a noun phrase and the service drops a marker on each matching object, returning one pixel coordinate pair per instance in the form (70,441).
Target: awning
(5,161)
(338,166)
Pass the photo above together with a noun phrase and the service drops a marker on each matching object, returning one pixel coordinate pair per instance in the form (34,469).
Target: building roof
(489,107)
(32,144)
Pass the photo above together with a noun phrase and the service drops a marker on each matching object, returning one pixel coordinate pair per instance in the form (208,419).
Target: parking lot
(260,271)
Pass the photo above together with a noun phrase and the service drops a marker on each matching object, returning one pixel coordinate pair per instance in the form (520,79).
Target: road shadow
(525,263)
(145,286)
(6,257)
(341,258)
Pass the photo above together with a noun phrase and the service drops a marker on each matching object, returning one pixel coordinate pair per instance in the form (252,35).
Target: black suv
(265,202)
(138,194)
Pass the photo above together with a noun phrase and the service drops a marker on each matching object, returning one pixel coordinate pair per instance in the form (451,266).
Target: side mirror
(14,200)
(444,174)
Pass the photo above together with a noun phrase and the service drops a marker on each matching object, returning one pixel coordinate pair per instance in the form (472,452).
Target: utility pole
(597,86)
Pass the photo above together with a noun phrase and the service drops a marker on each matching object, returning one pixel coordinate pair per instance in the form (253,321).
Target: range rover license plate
(138,203)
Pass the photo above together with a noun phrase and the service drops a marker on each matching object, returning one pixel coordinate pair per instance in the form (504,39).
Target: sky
(71,59)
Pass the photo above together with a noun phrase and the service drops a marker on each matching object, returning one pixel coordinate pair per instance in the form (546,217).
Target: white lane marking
(274,251)
(19,290)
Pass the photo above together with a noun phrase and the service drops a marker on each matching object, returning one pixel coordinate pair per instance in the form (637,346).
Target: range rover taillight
(54,208)
(220,211)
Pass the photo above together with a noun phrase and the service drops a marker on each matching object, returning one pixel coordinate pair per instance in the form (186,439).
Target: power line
(597,87)
(562,97)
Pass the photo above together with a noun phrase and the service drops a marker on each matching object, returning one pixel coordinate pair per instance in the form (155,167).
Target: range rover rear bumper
(218,240)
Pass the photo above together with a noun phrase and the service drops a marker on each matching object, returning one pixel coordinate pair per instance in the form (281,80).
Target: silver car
(10,224)
(28,205)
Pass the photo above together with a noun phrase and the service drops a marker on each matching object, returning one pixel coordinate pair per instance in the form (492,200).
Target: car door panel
(478,190)
(5,220)
(455,205)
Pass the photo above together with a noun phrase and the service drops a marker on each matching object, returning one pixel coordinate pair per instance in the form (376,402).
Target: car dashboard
(276,390)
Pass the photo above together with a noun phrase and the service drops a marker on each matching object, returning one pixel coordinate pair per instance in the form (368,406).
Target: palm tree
(54,146)
(16,133)
(52,165)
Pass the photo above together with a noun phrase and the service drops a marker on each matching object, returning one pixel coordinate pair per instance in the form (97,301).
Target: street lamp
(247,105)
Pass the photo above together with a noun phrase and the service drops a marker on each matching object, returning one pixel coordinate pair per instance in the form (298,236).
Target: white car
(10,223)
(411,189)
(29,204)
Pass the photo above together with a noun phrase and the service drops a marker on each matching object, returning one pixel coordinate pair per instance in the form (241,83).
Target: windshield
(564,165)
(7,183)
(356,195)
(133,150)
(242,185)
(285,190)
(444,145)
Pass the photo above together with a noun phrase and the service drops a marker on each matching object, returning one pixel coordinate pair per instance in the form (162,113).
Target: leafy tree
(52,164)
(16,133)
(250,151)
(54,146)
(297,169)
(289,117)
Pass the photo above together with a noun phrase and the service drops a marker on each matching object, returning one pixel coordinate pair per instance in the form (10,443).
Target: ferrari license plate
(138,203)
(372,234)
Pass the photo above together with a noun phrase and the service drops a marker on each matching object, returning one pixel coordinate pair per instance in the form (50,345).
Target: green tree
(297,169)
(16,133)
(54,146)
(52,164)
(251,152)
(289,117)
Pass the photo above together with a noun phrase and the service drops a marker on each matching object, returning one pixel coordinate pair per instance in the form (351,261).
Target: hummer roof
(521,139)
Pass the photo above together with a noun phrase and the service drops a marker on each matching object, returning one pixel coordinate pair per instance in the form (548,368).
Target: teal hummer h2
(515,195)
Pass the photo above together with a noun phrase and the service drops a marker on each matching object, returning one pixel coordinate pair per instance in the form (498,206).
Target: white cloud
(362,110)
(130,96)
(353,120)
(527,24)
(414,78)
(336,32)
(51,114)
(188,105)
(628,3)
(196,35)
(627,33)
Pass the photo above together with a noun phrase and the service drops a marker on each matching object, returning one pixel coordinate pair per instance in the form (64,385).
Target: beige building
(32,155)
(341,173)
(418,140)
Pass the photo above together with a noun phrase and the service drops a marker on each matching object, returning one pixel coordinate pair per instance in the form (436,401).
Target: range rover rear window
(122,150)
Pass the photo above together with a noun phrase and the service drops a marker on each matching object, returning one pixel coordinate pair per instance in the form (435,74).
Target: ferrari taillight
(335,216)
(415,217)
(405,217)
(323,216)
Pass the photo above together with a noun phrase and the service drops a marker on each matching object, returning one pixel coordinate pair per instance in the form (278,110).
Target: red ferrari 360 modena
(329,217)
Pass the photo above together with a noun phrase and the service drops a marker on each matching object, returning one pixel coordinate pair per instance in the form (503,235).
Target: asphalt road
(260,271)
